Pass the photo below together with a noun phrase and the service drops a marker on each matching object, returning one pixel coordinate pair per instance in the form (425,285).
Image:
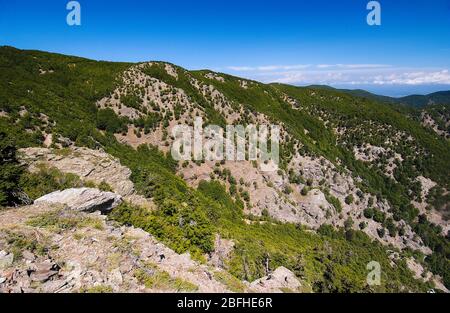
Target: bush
(379,216)
(287,189)
(348,224)
(304,191)
(10,171)
(108,120)
(390,226)
(182,227)
(334,201)
(47,180)
(369,212)
(349,199)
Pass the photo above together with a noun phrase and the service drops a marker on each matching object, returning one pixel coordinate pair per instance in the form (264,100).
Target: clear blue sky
(298,42)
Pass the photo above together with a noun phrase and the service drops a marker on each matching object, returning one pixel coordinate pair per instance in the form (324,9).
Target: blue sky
(296,42)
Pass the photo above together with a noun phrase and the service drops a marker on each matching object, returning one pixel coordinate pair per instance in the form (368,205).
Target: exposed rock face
(281,280)
(83,199)
(92,165)
(222,251)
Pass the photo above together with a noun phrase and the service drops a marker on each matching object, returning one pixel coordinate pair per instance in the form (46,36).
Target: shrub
(334,201)
(381,232)
(10,171)
(108,120)
(304,191)
(349,199)
(104,186)
(287,189)
(182,227)
(348,224)
(379,216)
(369,212)
(47,180)
(390,226)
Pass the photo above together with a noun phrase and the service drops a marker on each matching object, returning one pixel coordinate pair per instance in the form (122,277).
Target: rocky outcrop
(74,251)
(83,199)
(281,280)
(222,251)
(90,165)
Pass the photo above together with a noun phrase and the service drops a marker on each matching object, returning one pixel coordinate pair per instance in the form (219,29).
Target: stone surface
(83,199)
(90,165)
(6,259)
(89,258)
(281,280)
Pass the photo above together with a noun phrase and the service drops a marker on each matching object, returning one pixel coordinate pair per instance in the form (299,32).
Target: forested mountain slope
(358,181)
(414,101)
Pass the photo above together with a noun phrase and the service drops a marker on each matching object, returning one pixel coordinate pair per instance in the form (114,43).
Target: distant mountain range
(440,97)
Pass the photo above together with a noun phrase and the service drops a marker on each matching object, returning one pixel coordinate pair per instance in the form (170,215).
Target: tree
(369,212)
(304,191)
(381,232)
(349,199)
(392,229)
(348,224)
(10,171)
(109,121)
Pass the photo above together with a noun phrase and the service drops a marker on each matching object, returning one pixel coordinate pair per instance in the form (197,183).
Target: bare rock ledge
(83,199)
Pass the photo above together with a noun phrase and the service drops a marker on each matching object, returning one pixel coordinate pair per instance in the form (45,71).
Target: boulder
(279,280)
(83,199)
(6,259)
(43,271)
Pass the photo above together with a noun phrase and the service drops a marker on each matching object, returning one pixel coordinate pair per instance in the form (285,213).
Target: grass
(97,289)
(231,282)
(19,242)
(153,278)
(61,220)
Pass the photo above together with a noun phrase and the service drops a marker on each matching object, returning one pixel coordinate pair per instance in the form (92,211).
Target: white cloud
(267,68)
(352,74)
(414,78)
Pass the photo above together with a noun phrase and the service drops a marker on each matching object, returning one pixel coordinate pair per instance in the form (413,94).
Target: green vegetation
(334,202)
(10,171)
(230,281)
(349,199)
(109,121)
(151,277)
(186,219)
(60,220)
(97,289)
(19,242)
(157,70)
(47,180)
(182,227)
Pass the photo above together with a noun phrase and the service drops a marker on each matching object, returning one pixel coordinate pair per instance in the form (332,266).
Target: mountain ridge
(354,173)
(414,100)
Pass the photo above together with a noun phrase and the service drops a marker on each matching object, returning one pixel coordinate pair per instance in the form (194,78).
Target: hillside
(359,181)
(415,101)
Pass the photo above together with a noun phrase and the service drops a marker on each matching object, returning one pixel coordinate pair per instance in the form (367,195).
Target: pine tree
(10,171)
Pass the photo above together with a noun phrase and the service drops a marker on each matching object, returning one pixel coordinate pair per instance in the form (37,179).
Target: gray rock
(116,277)
(27,255)
(6,260)
(42,276)
(83,199)
(43,271)
(54,285)
(276,281)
